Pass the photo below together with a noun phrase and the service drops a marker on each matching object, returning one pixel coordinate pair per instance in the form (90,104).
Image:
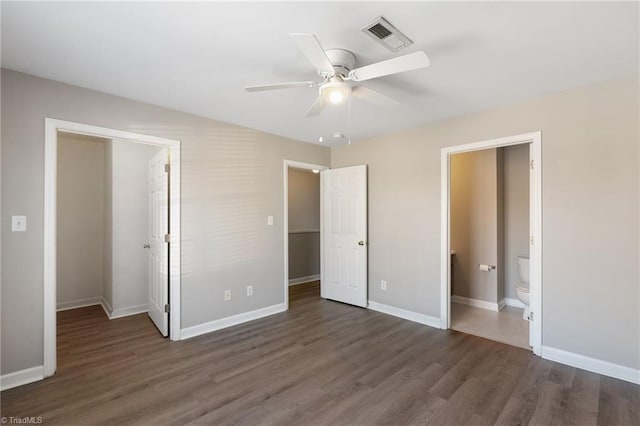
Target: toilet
(522,291)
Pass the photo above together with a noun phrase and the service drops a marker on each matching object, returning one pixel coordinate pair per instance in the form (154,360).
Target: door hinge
(531,240)
(531,164)
(167,168)
(166,308)
(167,238)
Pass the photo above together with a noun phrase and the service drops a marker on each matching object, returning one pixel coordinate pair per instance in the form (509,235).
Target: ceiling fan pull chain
(349,118)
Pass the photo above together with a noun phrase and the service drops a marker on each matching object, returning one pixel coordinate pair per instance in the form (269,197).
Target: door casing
(535,228)
(52,127)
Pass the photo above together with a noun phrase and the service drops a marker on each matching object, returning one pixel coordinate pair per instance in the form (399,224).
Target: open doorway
(304,233)
(343,233)
(112,204)
(491,245)
(489,237)
(112,218)
(302,230)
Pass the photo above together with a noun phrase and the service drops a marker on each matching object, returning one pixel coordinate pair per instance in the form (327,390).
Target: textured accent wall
(231,181)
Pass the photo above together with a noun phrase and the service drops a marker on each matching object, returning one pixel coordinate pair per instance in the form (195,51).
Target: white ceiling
(197,57)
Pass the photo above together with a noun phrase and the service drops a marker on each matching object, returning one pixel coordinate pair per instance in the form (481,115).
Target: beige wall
(489,220)
(231,181)
(304,215)
(80,219)
(474,224)
(516,213)
(590,193)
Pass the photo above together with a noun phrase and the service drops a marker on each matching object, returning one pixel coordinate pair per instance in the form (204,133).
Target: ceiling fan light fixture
(336,96)
(335,92)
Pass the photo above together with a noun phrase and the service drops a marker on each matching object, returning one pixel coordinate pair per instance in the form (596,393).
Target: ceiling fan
(339,76)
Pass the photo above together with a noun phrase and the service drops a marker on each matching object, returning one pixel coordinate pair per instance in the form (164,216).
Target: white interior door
(344,248)
(158,248)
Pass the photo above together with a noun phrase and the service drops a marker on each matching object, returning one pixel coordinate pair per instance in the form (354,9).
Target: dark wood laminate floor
(321,363)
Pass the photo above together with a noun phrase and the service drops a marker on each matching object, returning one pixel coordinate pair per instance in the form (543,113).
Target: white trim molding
(594,365)
(304,231)
(304,280)
(477,303)
(125,312)
(107,307)
(285,176)
(514,303)
(404,314)
(80,303)
(52,128)
(219,324)
(535,226)
(22,377)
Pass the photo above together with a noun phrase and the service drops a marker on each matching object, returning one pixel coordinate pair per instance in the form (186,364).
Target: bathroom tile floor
(506,326)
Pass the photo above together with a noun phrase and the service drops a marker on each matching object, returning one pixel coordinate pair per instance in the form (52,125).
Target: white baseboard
(514,303)
(125,312)
(476,303)
(208,327)
(501,304)
(122,312)
(591,364)
(405,314)
(106,306)
(303,280)
(81,303)
(22,377)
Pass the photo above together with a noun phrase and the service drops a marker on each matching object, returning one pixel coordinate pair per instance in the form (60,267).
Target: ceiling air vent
(386,34)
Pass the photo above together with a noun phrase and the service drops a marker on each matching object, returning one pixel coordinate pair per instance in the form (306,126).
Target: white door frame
(535,211)
(52,127)
(305,166)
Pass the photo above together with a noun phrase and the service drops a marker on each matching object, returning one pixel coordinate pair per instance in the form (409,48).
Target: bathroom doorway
(491,222)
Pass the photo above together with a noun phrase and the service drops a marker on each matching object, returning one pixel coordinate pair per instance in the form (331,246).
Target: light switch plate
(270,220)
(18,223)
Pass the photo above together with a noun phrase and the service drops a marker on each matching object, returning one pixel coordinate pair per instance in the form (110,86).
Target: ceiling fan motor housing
(342,60)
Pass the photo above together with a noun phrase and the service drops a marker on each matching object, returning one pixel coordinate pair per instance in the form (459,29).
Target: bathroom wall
(489,195)
(304,223)
(80,220)
(475,223)
(516,213)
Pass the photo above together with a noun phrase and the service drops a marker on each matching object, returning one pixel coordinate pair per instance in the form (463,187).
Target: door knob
(146,246)
(360,243)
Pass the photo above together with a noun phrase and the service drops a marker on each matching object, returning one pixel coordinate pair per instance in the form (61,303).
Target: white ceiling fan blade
(316,108)
(275,86)
(374,96)
(313,50)
(404,63)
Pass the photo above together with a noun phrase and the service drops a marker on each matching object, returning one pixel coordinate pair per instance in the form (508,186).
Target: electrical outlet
(249,290)
(18,223)
(383,285)
(227,295)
